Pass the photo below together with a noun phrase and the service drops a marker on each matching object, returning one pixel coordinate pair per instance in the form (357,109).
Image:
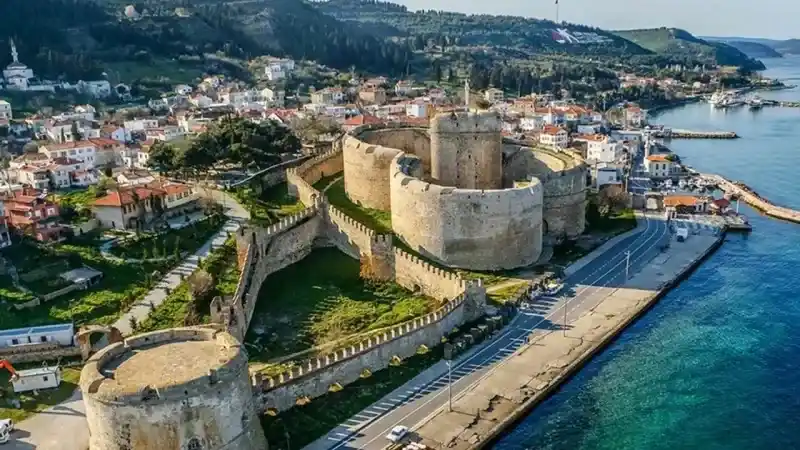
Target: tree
(162,157)
(612,198)
(76,134)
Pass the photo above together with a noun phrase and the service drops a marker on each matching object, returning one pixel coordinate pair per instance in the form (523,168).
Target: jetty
(751,197)
(689,134)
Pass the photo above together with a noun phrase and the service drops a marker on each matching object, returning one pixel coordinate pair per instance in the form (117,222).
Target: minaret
(14,54)
(466,94)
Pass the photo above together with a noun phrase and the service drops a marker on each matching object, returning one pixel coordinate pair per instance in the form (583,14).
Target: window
(43,338)
(194,444)
(44,378)
(15,342)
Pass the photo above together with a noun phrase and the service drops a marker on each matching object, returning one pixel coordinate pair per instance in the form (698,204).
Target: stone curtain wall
(302,178)
(314,377)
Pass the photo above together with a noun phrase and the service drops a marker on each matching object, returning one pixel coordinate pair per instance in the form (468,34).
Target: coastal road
(428,392)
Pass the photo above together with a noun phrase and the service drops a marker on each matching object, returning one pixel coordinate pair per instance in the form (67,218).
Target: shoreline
(602,325)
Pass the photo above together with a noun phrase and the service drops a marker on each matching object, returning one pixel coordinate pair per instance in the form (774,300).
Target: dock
(689,134)
(752,198)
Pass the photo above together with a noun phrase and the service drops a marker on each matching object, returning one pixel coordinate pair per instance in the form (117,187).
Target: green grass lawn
(380,221)
(271,205)
(322,299)
(174,311)
(304,424)
(325,181)
(156,69)
(121,285)
(615,222)
(31,404)
(504,294)
(170,243)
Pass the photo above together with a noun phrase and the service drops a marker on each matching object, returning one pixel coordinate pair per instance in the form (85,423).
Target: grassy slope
(321,299)
(32,404)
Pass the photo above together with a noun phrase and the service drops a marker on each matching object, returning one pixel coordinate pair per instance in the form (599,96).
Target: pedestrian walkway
(237,215)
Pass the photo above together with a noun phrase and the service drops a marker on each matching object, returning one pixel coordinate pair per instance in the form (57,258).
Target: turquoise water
(716,364)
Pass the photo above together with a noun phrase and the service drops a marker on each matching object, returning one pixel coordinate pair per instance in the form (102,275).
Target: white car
(397,433)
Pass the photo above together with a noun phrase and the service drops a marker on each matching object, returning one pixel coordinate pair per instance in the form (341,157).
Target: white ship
(755,102)
(722,99)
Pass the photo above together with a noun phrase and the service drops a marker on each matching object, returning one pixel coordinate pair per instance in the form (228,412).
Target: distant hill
(754,48)
(544,36)
(80,38)
(785,47)
(681,43)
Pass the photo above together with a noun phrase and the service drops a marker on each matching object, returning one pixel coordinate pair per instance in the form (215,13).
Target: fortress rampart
(470,228)
(466,150)
(171,389)
(563,177)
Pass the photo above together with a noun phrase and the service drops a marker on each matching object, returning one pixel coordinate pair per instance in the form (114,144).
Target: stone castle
(459,194)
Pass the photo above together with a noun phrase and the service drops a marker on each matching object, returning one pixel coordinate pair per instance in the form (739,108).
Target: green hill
(680,44)
(541,36)
(81,38)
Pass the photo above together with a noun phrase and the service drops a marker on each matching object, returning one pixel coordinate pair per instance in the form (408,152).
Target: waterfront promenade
(506,393)
(752,198)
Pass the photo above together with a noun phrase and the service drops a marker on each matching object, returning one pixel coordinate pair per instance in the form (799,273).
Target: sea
(716,363)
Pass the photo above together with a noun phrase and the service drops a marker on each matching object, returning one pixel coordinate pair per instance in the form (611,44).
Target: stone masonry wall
(313,378)
(564,179)
(467,150)
(301,179)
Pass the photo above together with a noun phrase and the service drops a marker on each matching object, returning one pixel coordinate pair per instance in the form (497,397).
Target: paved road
(427,393)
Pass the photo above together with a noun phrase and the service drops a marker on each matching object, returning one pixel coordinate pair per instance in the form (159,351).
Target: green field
(322,299)
(380,221)
(170,243)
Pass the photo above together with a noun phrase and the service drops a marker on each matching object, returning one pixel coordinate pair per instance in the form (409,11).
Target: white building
(17,75)
(201,101)
(403,88)
(183,89)
(34,176)
(140,124)
(164,134)
(5,110)
(84,151)
(554,137)
(658,166)
(275,97)
(417,109)
(327,96)
(532,123)
(37,379)
(604,175)
(61,334)
(601,149)
(635,116)
(278,69)
(493,95)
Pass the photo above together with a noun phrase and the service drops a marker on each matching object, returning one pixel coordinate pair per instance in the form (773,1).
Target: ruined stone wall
(468,228)
(301,179)
(564,179)
(218,410)
(467,150)
(314,377)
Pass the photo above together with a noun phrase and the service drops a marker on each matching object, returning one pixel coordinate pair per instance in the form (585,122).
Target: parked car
(397,433)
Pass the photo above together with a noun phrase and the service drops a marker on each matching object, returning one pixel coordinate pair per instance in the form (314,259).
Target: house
(275,97)
(604,175)
(85,151)
(36,177)
(183,89)
(61,334)
(493,95)
(5,110)
(532,123)
(357,121)
(140,124)
(136,206)
(107,151)
(327,96)
(601,148)
(26,159)
(720,206)
(201,101)
(418,109)
(65,172)
(164,134)
(60,131)
(128,208)
(686,204)
(120,134)
(278,69)
(372,95)
(635,116)
(659,166)
(29,212)
(554,136)
(403,88)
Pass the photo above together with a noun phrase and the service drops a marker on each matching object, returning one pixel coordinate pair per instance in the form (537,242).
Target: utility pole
(627,265)
(566,303)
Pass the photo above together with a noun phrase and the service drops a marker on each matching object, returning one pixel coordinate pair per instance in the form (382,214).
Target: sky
(775,19)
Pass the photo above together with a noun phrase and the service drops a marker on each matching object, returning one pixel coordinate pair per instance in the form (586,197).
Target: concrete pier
(752,198)
(689,134)
(506,393)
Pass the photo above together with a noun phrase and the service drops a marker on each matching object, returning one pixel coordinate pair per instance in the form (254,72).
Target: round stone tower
(178,389)
(467,150)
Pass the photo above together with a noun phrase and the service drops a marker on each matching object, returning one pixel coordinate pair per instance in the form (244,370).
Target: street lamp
(566,303)
(627,264)
(449,386)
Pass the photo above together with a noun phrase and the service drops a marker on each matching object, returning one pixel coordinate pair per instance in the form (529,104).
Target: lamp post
(627,265)
(449,386)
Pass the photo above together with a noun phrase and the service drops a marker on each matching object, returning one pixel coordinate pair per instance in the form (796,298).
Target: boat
(722,99)
(755,102)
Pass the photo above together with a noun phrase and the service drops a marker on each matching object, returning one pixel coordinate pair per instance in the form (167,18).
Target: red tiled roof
(658,158)
(69,145)
(682,200)
(552,130)
(362,120)
(125,197)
